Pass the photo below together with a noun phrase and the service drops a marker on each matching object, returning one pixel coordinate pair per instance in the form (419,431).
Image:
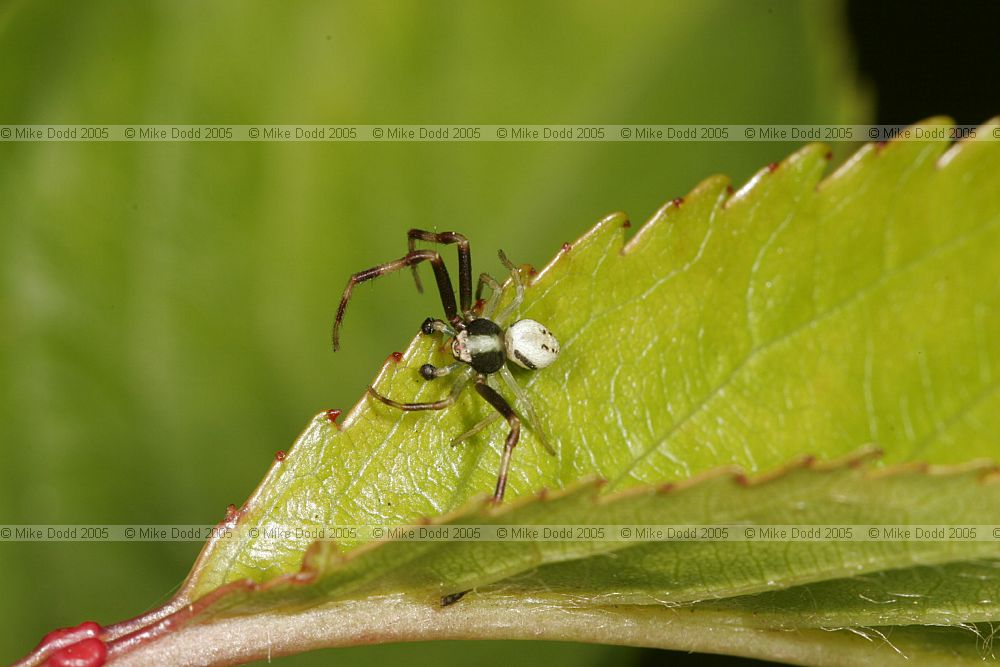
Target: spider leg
(500,404)
(410,259)
(515,274)
(486,280)
(445,402)
(526,408)
(464,261)
(475,429)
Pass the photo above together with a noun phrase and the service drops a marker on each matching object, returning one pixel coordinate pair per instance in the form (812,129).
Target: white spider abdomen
(530,345)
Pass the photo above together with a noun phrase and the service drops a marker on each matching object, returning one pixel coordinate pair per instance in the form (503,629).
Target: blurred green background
(166,306)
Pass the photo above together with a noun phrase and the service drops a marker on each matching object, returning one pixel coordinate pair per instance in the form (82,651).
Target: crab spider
(483,344)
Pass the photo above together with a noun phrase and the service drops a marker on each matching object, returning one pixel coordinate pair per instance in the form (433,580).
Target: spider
(481,343)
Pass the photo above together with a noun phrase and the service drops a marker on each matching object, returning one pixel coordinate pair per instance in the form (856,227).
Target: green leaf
(658,573)
(793,317)
(943,594)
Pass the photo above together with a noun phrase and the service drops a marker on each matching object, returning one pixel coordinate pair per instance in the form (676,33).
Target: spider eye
(530,345)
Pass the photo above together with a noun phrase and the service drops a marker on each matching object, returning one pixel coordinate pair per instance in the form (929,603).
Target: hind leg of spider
(464,261)
(410,259)
(527,409)
(445,402)
(500,404)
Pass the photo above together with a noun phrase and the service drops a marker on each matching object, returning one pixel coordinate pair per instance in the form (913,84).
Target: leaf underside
(797,352)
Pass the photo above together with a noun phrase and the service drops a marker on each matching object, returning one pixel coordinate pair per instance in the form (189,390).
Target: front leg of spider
(482,345)
(410,259)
